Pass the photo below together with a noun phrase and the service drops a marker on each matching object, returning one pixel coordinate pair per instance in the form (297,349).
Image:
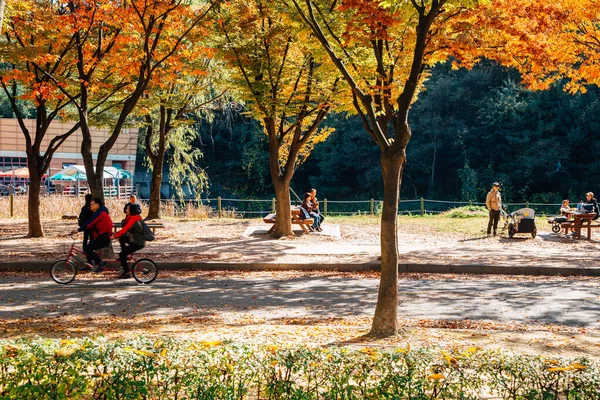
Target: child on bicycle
(131,237)
(100,225)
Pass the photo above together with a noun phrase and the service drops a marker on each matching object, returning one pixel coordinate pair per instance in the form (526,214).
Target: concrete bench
(305,224)
(152,225)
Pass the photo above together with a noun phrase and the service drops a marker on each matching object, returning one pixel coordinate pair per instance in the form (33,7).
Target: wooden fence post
(372,206)
(219,206)
(12,205)
(273,205)
(325,207)
(422,206)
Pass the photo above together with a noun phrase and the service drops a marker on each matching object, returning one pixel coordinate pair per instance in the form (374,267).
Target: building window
(8,163)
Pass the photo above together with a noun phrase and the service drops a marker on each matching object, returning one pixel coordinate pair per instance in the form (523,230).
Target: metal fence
(252,208)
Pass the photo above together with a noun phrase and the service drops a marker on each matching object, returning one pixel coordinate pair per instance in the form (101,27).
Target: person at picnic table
(565,208)
(493,202)
(590,199)
(85,214)
(100,225)
(131,237)
(313,193)
(307,208)
(132,200)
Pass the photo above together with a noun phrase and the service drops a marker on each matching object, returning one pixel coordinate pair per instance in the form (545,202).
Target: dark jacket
(306,208)
(99,223)
(594,202)
(85,214)
(133,227)
(308,205)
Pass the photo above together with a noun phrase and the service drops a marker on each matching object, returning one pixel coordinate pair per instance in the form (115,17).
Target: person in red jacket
(100,225)
(131,237)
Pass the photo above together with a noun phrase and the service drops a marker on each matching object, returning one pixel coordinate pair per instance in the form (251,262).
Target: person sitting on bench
(313,193)
(309,207)
(565,208)
(592,203)
(132,201)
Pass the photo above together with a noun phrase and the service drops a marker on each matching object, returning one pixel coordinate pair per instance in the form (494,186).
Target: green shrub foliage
(150,368)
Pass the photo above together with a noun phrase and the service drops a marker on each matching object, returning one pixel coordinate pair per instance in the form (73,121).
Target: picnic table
(305,224)
(151,225)
(580,220)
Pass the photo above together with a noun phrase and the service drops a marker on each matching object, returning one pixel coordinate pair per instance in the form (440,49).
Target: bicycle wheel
(145,270)
(63,271)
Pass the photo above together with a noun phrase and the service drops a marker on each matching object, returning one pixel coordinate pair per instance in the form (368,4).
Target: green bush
(466,212)
(147,368)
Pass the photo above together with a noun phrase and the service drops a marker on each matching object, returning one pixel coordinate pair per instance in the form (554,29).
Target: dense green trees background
(470,128)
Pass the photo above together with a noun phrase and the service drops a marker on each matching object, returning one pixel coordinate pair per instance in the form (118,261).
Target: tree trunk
(283,222)
(154,207)
(33,204)
(385,321)
(95,184)
(93,180)
(281,182)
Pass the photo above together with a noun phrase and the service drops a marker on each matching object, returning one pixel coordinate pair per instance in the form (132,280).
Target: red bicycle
(64,271)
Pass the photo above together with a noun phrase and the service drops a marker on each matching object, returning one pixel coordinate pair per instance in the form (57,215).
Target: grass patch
(466,212)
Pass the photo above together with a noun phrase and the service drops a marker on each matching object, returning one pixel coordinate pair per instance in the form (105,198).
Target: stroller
(520,221)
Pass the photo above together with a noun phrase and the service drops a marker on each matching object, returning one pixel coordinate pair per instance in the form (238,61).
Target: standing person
(131,237)
(101,226)
(132,200)
(85,214)
(494,204)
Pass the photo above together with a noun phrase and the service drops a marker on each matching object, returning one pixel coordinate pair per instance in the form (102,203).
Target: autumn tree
(181,92)
(118,59)
(36,40)
(383,50)
(287,85)
(548,41)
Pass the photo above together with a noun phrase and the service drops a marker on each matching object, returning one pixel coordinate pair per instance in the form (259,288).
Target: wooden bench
(305,224)
(151,225)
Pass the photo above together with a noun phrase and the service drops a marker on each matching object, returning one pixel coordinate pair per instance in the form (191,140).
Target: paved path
(555,301)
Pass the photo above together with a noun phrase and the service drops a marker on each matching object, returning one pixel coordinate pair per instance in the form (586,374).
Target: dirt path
(435,240)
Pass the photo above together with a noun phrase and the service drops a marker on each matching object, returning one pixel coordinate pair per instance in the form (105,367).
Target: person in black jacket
(85,214)
(590,199)
(132,201)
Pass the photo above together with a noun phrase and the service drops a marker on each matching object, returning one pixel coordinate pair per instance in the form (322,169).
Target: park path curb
(32,266)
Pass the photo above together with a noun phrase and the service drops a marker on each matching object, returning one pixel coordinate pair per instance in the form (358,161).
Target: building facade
(12,146)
